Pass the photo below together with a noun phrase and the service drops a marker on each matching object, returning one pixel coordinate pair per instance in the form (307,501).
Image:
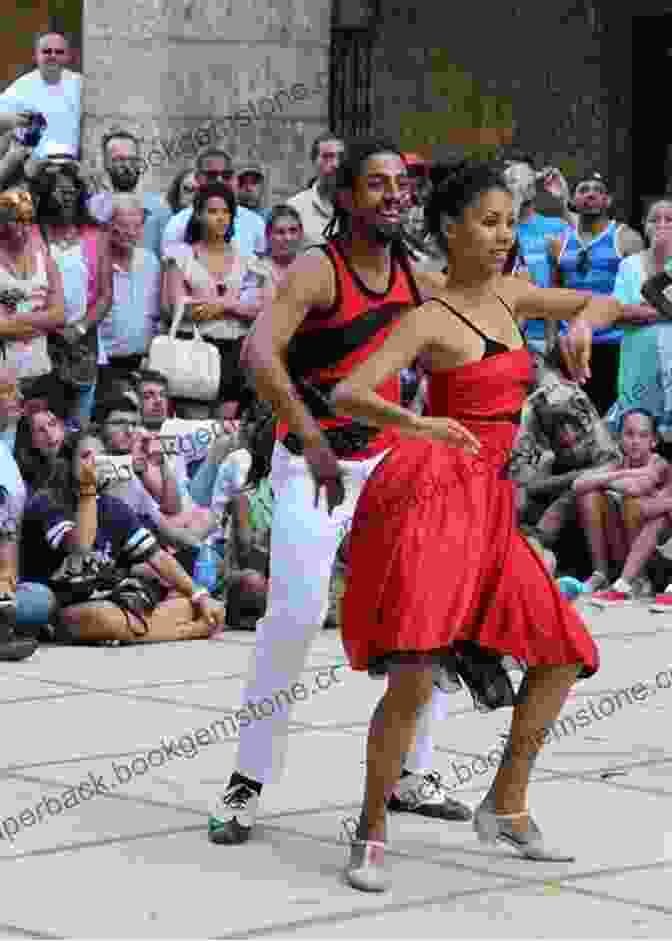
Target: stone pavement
(111,757)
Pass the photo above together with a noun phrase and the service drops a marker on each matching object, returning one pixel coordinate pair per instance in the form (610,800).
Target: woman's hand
(576,347)
(448,430)
(203,313)
(213,613)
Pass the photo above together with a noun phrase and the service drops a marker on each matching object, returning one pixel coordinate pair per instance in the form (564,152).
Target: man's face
(153,404)
(52,55)
(217,170)
(285,238)
(250,190)
(123,164)
(126,228)
(591,198)
(379,195)
(118,431)
(64,196)
(327,163)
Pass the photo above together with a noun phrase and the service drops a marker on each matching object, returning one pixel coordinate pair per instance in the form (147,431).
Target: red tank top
(329,344)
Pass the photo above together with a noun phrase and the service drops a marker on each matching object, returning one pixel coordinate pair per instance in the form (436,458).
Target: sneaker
(663,602)
(621,592)
(427,795)
(12,648)
(234,816)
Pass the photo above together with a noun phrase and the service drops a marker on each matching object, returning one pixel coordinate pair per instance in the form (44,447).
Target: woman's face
(217,217)
(285,238)
(484,235)
(187,191)
(47,433)
(637,438)
(658,222)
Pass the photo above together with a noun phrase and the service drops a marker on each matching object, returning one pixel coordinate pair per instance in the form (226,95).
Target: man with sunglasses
(216,166)
(587,259)
(52,90)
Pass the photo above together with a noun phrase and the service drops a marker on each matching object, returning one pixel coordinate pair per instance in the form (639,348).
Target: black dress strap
(513,317)
(463,319)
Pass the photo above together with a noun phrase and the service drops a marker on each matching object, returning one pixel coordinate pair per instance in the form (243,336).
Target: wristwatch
(81,329)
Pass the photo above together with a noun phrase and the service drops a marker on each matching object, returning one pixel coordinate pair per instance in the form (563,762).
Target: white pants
(304,542)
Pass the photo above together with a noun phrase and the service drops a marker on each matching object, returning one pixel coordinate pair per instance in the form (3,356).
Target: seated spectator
(646,350)
(215,167)
(133,320)
(52,90)
(609,522)
(179,196)
(121,434)
(78,542)
(205,279)
(31,291)
(81,252)
(41,440)
(25,608)
(560,436)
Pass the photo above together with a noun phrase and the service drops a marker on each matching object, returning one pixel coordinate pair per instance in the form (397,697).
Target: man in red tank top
(337,305)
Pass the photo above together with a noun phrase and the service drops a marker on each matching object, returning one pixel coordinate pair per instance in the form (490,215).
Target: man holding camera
(51,92)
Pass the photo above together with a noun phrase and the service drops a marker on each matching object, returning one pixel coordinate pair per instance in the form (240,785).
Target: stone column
(251,77)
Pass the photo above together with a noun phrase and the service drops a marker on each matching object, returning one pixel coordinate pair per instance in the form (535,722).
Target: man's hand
(576,347)
(326,472)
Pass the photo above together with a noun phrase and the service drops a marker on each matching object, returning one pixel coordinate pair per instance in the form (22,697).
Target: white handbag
(192,367)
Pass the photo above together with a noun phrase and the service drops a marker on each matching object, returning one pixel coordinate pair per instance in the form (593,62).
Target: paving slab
(78,714)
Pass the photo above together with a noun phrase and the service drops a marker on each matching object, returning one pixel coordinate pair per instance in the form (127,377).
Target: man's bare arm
(308,284)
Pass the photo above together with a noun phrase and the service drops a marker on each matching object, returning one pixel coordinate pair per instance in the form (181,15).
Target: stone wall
(181,74)
(531,67)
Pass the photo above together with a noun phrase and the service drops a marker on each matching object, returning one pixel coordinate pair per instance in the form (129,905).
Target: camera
(30,135)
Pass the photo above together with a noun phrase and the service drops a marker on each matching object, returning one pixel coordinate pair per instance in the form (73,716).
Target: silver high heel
(365,866)
(492,827)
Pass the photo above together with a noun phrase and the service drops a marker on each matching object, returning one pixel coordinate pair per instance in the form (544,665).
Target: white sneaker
(234,815)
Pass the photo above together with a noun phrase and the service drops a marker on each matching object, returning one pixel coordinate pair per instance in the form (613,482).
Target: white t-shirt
(12,481)
(60,103)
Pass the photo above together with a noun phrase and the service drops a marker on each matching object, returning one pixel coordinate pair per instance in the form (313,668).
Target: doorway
(651,136)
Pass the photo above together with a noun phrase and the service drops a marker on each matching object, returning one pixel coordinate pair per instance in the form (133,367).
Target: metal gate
(353,29)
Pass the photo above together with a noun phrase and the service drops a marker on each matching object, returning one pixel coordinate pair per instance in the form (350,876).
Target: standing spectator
(123,162)
(215,166)
(644,376)
(31,291)
(250,189)
(587,259)
(82,254)
(52,90)
(284,240)
(534,232)
(180,195)
(132,322)
(315,205)
(208,273)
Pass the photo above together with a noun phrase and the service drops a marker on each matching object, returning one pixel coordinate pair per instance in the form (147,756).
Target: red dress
(435,556)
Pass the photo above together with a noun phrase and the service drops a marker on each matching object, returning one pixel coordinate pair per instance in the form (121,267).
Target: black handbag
(75,364)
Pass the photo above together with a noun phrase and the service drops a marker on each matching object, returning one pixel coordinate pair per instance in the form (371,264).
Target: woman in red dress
(438,568)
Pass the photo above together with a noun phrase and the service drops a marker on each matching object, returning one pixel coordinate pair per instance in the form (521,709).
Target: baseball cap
(251,169)
(415,161)
(596,176)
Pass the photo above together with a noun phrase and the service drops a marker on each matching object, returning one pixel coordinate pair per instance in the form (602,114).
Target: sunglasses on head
(583,262)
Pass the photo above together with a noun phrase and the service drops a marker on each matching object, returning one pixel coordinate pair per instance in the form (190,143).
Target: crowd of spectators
(118,481)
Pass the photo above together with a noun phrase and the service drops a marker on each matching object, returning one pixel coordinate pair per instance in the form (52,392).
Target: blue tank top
(600,270)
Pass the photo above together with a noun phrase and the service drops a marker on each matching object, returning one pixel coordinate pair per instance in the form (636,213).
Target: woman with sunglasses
(80,249)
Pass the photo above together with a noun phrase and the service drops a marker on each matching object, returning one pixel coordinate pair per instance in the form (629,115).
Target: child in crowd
(619,512)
